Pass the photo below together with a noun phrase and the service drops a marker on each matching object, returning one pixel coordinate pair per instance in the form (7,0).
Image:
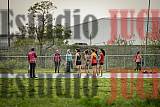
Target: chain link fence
(111,61)
(127,62)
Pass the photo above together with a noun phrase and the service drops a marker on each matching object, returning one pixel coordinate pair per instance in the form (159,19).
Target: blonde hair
(68,50)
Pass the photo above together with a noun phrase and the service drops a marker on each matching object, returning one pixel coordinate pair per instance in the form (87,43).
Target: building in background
(82,32)
(3,42)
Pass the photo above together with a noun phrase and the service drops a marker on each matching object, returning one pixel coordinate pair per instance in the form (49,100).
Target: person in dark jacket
(57,60)
(32,61)
(78,61)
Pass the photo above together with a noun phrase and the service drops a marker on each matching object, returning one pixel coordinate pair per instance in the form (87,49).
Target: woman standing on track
(78,61)
(138,59)
(87,61)
(32,61)
(101,61)
(57,60)
(68,61)
(94,62)
(97,58)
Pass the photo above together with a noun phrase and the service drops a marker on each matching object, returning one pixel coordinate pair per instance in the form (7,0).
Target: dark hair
(103,51)
(86,52)
(78,50)
(93,50)
(96,51)
(32,49)
(138,52)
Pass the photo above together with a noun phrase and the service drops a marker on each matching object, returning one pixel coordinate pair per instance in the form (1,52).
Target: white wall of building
(104,32)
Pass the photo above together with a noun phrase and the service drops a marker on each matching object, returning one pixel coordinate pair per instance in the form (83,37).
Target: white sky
(99,8)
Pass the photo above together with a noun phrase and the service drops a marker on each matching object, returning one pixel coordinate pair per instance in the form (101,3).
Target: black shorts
(94,64)
(78,62)
(101,63)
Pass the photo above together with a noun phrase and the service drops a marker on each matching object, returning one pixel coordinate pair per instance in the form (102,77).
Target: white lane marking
(71,75)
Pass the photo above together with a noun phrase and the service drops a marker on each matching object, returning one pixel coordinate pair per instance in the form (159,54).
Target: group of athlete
(94,58)
(89,58)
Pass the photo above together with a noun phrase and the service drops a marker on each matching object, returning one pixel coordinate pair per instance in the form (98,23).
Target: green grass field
(73,93)
(115,70)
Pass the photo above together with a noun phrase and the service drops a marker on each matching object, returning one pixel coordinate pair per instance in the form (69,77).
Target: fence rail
(111,61)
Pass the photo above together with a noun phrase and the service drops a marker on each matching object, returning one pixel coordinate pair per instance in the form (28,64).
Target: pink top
(138,58)
(57,57)
(101,58)
(32,57)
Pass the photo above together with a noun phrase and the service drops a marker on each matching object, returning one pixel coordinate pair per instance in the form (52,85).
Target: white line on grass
(73,75)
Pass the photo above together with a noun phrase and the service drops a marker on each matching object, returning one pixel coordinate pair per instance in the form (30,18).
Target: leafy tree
(121,41)
(40,28)
(154,41)
(43,29)
(61,34)
(153,36)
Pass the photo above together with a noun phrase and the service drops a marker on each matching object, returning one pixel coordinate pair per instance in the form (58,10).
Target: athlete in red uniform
(101,61)
(94,62)
(32,61)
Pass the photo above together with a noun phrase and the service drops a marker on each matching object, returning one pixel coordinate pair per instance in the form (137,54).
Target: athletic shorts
(101,63)
(94,64)
(78,62)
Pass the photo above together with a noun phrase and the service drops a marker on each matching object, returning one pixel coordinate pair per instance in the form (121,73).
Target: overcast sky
(99,8)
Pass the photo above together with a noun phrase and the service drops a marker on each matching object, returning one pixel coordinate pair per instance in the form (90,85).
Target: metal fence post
(124,62)
(106,60)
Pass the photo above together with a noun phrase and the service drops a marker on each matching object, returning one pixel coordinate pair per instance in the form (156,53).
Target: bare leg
(85,67)
(88,69)
(94,71)
(97,70)
(101,70)
(79,69)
